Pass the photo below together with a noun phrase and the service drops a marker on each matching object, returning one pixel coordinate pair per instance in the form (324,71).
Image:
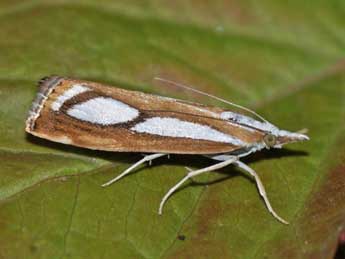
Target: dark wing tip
(47,82)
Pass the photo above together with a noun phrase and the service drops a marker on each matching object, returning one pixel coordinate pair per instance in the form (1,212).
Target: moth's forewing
(55,117)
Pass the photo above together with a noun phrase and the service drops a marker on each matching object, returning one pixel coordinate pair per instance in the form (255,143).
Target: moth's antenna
(209,95)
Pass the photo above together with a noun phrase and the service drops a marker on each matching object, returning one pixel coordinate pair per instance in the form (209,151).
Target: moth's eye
(270,140)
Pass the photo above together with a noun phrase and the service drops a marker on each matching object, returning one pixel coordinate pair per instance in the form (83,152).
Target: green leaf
(284,59)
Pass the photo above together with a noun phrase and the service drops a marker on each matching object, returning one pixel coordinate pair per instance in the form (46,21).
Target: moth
(95,116)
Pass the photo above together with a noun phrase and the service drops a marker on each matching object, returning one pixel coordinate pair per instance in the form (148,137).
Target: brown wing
(59,126)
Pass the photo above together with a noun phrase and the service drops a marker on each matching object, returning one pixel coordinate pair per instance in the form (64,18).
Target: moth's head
(273,137)
(277,138)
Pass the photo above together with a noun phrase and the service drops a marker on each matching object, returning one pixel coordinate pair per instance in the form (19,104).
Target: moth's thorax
(96,116)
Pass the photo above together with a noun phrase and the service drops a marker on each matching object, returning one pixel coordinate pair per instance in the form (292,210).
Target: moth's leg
(194,173)
(261,189)
(259,184)
(147,158)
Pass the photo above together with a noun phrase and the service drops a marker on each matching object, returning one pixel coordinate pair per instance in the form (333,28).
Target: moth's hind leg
(194,173)
(147,158)
(261,189)
(259,184)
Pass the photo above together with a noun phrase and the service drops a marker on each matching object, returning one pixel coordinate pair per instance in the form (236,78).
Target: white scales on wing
(172,127)
(103,111)
(70,93)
